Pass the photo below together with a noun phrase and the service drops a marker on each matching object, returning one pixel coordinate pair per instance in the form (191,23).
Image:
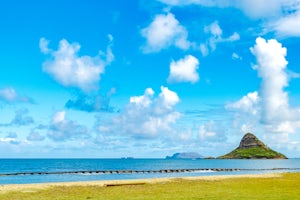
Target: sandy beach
(107,183)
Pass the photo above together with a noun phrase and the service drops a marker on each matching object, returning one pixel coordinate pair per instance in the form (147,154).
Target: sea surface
(82,167)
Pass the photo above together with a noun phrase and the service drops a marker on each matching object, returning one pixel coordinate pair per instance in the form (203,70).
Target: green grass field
(280,188)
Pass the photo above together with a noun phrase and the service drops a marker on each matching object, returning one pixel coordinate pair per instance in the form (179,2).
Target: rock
(185,155)
(252,148)
(249,140)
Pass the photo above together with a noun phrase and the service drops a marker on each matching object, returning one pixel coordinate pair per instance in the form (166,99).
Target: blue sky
(147,78)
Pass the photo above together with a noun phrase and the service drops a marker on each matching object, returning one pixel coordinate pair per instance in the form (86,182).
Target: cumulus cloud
(215,33)
(35,136)
(146,116)
(167,98)
(144,100)
(62,129)
(184,70)
(21,118)
(270,105)
(247,112)
(271,67)
(247,104)
(165,31)
(72,70)
(9,95)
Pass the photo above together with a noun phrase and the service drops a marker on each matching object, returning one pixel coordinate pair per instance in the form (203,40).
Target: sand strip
(41,186)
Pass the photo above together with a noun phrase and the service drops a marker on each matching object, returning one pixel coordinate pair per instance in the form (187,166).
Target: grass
(277,188)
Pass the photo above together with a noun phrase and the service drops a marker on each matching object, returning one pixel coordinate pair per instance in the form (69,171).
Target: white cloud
(281,16)
(292,74)
(234,37)
(163,32)
(62,129)
(215,33)
(260,9)
(58,117)
(8,140)
(271,66)
(167,98)
(9,95)
(184,70)
(204,133)
(72,70)
(11,138)
(44,45)
(236,56)
(21,118)
(247,128)
(269,107)
(35,136)
(288,25)
(247,104)
(211,133)
(252,8)
(146,116)
(214,29)
(204,49)
(143,101)
(189,2)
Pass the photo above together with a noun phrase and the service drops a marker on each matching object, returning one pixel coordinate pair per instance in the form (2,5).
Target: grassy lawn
(283,188)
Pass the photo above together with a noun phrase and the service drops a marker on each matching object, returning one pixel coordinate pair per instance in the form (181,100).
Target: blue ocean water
(66,165)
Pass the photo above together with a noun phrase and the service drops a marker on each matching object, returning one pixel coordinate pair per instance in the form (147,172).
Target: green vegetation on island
(252,148)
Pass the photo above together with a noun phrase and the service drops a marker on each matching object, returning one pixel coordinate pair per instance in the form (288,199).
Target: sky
(147,79)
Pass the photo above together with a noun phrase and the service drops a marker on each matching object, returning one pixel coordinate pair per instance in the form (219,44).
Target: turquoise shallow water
(69,165)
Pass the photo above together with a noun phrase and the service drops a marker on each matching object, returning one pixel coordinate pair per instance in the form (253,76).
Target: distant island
(185,155)
(252,148)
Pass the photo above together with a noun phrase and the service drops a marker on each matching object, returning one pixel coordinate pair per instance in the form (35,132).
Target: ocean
(23,171)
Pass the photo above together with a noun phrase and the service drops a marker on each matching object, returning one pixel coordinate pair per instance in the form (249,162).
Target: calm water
(61,165)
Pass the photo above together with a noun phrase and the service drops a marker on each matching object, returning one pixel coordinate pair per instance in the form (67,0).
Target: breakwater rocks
(146,171)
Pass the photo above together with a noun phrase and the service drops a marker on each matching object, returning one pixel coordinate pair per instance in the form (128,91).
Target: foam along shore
(111,183)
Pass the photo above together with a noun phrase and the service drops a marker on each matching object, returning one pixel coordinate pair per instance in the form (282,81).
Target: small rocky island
(185,155)
(252,148)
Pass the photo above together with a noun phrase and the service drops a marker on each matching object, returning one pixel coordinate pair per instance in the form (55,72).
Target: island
(185,155)
(252,148)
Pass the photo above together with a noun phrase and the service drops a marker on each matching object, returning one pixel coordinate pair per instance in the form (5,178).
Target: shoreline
(32,187)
